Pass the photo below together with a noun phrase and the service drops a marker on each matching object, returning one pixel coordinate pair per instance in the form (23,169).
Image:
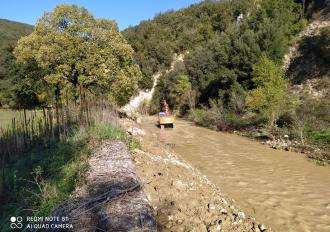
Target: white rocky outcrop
(146,95)
(312,29)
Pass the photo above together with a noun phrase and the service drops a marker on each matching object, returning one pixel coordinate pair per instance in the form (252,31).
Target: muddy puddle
(281,189)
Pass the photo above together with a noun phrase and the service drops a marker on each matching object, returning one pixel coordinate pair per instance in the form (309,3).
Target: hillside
(155,41)
(10,32)
(232,76)
(224,40)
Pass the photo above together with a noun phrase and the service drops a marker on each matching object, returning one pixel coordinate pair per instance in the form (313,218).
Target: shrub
(216,117)
(198,116)
(320,137)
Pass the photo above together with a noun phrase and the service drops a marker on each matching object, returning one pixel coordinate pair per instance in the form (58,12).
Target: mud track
(182,198)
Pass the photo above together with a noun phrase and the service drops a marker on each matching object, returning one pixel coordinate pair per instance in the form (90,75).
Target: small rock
(255,227)
(223,211)
(241,215)
(210,207)
(214,228)
(136,131)
(179,185)
(180,221)
(262,227)
(200,227)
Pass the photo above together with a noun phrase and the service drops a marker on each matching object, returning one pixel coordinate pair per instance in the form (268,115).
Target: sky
(125,12)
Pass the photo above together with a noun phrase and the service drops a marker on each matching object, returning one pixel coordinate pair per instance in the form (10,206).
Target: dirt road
(280,188)
(182,198)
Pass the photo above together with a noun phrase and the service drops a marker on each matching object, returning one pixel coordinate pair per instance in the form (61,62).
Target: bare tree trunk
(25,129)
(57,105)
(302,136)
(80,104)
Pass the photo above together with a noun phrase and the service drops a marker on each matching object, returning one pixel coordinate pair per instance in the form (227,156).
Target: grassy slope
(6,117)
(49,174)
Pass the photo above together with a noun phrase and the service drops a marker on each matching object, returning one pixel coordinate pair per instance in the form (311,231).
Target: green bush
(217,118)
(198,116)
(320,137)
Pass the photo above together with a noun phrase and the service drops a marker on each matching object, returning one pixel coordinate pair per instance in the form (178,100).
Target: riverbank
(183,199)
(278,138)
(320,155)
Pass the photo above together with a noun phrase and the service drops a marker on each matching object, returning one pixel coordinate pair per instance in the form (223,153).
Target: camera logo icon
(16,222)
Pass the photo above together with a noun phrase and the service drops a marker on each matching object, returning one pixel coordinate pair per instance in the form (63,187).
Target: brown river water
(281,189)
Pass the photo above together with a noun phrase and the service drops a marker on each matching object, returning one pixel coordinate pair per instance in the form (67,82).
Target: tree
(271,96)
(182,91)
(28,88)
(81,53)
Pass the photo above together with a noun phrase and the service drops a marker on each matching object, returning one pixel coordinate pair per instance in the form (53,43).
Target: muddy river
(281,189)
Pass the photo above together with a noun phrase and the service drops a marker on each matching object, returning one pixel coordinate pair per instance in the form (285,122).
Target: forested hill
(265,24)
(224,39)
(250,26)
(232,76)
(10,32)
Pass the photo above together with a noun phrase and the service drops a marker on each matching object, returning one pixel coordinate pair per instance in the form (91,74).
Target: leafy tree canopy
(271,96)
(79,52)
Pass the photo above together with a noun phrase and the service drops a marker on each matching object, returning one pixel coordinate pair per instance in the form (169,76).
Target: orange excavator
(165,118)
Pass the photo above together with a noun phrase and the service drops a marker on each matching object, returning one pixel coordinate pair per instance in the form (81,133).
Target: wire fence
(39,127)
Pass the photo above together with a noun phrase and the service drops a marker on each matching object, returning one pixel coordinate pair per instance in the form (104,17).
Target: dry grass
(7,115)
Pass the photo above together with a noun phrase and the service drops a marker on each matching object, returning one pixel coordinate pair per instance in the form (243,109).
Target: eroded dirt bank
(183,199)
